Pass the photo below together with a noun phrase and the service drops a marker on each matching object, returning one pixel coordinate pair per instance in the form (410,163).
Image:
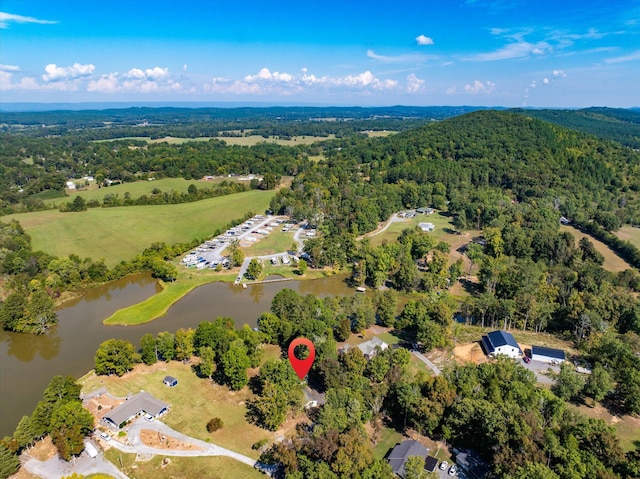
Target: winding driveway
(136,445)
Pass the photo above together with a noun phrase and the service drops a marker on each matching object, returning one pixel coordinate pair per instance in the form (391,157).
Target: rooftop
(549,352)
(399,455)
(141,402)
(502,338)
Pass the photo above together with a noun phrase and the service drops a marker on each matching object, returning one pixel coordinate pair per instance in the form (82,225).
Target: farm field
(631,234)
(612,261)
(193,402)
(120,233)
(135,189)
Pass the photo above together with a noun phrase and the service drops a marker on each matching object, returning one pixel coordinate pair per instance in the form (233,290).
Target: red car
(526,359)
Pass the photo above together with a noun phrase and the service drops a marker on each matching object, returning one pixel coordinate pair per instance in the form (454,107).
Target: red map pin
(301,366)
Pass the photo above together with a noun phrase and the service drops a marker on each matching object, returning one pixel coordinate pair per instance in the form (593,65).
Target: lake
(28,362)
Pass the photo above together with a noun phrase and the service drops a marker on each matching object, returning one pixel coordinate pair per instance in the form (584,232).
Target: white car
(453,470)
(444,465)
(105,436)
(148,417)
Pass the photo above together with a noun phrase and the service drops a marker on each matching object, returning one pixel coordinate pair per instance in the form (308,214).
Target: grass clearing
(631,234)
(388,439)
(274,242)
(193,402)
(216,467)
(612,261)
(135,189)
(117,234)
(255,139)
(627,427)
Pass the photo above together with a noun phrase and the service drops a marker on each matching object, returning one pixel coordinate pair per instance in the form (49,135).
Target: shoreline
(156,306)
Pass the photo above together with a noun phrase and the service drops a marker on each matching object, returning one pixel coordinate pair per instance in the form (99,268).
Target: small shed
(170,381)
(427,226)
(547,355)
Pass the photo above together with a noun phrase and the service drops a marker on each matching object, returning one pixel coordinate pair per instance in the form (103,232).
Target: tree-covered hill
(583,176)
(619,124)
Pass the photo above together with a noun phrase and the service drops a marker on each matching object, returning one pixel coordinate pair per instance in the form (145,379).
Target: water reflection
(24,347)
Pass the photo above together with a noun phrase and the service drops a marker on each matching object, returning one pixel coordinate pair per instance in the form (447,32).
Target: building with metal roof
(547,355)
(399,455)
(501,343)
(141,403)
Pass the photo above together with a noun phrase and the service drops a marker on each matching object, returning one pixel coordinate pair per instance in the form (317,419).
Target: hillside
(618,124)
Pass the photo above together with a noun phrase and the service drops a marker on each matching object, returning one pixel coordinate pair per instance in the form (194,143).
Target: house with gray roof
(141,403)
(368,348)
(399,455)
(501,342)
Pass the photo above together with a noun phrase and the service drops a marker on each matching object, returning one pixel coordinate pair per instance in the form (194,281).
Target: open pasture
(120,233)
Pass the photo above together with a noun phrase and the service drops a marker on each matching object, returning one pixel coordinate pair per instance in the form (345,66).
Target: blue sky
(560,53)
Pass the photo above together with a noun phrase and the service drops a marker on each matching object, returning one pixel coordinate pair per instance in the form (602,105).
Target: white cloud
(266,75)
(451,90)
(623,59)
(407,58)
(55,73)
(105,84)
(184,67)
(479,87)
(422,40)
(520,49)
(545,81)
(282,83)
(7,18)
(559,74)
(9,68)
(414,84)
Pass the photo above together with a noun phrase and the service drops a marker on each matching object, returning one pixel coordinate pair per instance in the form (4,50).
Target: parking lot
(541,370)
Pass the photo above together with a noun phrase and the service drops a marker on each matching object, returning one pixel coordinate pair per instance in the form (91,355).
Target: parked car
(444,465)
(105,436)
(148,417)
(453,470)
(526,359)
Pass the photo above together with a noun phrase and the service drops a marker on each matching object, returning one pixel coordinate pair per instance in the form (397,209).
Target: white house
(427,226)
(71,185)
(368,348)
(501,343)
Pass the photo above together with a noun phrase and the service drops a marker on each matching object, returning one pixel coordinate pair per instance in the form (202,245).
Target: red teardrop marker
(301,366)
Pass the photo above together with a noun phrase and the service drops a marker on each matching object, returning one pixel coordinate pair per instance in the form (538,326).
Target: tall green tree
(70,423)
(148,349)
(235,363)
(598,384)
(207,365)
(114,356)
(184,344)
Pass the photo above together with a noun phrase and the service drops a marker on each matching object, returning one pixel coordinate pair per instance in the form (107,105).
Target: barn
(501,343)
(547,355)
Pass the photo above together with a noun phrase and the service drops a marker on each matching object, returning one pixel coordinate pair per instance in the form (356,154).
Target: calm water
(27,362)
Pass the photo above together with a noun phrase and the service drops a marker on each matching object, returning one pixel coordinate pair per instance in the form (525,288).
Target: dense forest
(618,124)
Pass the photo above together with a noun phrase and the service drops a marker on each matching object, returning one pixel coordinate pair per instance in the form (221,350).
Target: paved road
(394,218)
(56,468)
(136,445)
(298,240)
(424,359)
(264,258)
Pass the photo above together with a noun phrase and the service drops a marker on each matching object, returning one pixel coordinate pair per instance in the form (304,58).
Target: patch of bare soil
(43,449)
(471,352)
(160,441)
(99,406)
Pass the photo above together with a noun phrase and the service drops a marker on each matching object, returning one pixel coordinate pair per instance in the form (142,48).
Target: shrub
(214,424)
(260,444)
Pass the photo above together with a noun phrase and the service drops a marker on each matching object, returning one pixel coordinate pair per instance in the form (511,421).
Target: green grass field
(274,242)
(194,401)
(117,234)
(631,234)
(135,189)
(240,140)
(612,261)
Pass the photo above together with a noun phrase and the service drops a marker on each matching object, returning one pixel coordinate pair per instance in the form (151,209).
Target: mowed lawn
(216,467)
(612,261)
(193,402)
(120,233)
(135,189)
